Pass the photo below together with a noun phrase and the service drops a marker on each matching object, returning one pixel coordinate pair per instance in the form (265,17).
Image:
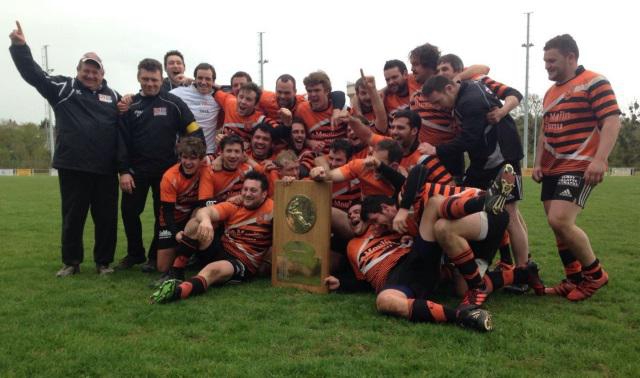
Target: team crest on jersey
(159,111)
(105,98)
(137,113)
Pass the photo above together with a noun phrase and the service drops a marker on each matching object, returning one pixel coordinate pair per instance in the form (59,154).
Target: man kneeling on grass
(238,254)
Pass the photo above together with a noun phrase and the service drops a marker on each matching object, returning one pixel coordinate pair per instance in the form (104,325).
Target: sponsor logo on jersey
(159,112)
(105,98)
(137,113)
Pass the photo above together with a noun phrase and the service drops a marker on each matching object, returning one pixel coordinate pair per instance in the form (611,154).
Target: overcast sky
(301,36)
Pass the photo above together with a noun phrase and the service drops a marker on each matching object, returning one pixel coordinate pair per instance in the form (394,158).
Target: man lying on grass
(405,272)
(236,255)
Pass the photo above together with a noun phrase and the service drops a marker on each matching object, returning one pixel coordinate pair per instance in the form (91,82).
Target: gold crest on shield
(300,214)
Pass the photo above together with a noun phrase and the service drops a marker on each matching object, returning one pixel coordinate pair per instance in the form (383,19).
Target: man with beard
(400,87)
(174,66)
(145,151)
(369,105)
(199,99)
(298,145)
(239,252)
(261,146)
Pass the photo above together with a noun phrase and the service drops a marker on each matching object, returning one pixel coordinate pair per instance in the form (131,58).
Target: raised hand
(17,36)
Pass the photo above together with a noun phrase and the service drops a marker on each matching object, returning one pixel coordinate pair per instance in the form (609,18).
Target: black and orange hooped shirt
(573,114)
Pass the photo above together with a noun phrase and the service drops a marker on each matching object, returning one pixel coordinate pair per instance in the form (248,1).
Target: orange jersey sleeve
(205,189)
(371,183)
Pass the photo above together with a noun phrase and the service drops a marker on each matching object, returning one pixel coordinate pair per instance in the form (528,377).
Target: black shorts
(417,273)
(567,187)
(486,249)
(166,238)
(482,179)
(216,252)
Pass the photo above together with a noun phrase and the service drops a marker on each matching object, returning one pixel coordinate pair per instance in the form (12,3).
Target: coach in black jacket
(85,151)
(146,149)
(489,146)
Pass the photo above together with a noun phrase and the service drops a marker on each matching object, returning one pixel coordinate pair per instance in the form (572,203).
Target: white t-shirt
(205,109)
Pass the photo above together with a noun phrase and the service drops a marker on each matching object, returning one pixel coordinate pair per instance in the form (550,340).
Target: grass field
(86,325)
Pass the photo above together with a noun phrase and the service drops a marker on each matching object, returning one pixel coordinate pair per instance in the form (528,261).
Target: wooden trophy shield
(301,235)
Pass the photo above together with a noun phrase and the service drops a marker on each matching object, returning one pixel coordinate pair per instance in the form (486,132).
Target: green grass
(91,326)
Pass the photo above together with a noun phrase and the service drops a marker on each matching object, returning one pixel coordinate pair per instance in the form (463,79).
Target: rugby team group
(411,215)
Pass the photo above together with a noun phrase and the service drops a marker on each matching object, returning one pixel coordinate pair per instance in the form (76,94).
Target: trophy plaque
(301,235)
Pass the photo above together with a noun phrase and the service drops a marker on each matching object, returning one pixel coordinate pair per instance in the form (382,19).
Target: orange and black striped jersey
(234,123)
(500,90)
(438,125)
(247,233)
(268,104)
(372,257)
(319,126)
(306,158)
(185,192)
(371,182)
(429,190)
(394,102)
(573,114)
(437,172)
(228,183)
(346,193)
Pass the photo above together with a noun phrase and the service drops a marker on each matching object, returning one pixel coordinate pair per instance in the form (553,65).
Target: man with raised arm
(85,153)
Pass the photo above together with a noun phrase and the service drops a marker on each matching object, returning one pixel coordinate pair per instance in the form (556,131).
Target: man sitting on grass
(238,254)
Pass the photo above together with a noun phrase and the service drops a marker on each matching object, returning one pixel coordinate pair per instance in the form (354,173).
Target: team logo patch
(137,113)
(159,111)
(105,98)
(569,180)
